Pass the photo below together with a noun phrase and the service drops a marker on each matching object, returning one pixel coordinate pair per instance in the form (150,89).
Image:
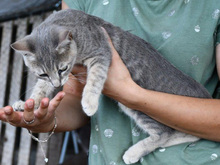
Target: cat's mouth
(57,83)
(64,80)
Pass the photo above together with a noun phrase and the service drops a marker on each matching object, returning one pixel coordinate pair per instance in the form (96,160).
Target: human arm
(64,6)
(67,110)
(199,117)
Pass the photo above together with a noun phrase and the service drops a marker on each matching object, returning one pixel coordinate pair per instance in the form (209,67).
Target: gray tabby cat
(69,37)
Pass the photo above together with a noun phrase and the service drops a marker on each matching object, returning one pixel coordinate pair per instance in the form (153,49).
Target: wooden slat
(40,156)
(55,142)
(55,145)
(52,148)
(25,148)
(8,148)
(4,60)
(25,142)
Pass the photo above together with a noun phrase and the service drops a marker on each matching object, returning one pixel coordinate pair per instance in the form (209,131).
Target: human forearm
(64,5)
(70,114)
(199,117)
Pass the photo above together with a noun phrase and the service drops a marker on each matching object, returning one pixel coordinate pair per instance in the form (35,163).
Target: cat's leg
(147,145)
(41,89)
(178,138)
(154,141)
(142,148)
(97,74)
(159,136)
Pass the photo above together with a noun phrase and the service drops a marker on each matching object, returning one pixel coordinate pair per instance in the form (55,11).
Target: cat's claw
(18,105)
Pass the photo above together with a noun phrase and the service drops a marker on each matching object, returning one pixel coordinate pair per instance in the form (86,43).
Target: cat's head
(49,54)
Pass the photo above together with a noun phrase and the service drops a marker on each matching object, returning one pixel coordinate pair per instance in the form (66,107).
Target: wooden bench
(16,146)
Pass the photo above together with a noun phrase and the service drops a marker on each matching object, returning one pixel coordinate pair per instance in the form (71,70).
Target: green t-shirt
(185,32)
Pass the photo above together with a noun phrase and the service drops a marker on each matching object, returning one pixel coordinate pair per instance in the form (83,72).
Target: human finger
(42,110)
(54,103)
(2,115)
(79,72)
(78,69)
(11,116)
(115,54)
(28,116)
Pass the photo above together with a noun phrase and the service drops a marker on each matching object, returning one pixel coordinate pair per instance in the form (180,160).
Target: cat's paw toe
(130,157)
(89,109)
(89,105)
(18,106)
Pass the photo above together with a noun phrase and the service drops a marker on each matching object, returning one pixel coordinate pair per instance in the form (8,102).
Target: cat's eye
(43,75)
(62,70)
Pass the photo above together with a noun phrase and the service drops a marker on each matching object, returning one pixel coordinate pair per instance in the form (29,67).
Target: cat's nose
(56,83)
(57,86)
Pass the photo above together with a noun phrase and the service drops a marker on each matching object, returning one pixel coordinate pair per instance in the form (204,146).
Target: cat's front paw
(90,104)
(131,156)
(18,105)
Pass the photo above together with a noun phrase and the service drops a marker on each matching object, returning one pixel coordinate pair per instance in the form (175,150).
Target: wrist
(128,95)
(44,127)
(53,125)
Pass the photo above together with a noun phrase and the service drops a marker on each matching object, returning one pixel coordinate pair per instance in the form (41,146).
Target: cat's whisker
(73,78)
(82,81)
(78,79)
(80,73)
(28,75)
(26,91)
(69,84)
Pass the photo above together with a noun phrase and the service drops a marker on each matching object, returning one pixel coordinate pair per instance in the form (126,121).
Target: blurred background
(17,19)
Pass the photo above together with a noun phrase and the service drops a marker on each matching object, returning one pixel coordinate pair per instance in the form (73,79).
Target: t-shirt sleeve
(76,4)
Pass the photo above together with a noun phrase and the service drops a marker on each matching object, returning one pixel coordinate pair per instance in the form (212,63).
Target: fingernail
(30,104)
(45,103)
(63,94)
(7,111)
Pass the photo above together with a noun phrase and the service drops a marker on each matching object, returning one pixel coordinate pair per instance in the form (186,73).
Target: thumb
(115,54)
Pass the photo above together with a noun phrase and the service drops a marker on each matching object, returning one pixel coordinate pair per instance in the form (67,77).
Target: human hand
(43,117)
(76,81)
(119,79)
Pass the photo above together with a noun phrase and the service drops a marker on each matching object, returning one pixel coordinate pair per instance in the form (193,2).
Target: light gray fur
(50,47)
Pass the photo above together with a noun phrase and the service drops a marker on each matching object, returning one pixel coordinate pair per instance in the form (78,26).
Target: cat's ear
(24,46)
(65,37)
(21,45)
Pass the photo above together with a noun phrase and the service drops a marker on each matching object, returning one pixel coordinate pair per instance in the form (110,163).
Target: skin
(199,117)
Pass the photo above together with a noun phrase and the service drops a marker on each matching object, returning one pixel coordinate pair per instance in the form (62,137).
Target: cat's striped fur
(69,37)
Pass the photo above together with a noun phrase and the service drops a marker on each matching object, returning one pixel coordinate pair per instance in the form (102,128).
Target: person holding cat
(187,34)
